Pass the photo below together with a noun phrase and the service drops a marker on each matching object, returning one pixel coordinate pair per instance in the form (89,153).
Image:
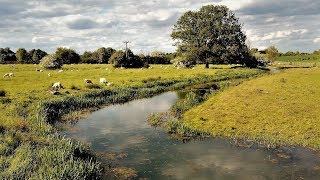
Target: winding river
(122,129)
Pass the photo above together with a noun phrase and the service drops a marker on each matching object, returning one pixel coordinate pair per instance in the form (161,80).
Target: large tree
(68,56)
(23,56)
(7,56)
(104,54)
(216,32)
(37,55)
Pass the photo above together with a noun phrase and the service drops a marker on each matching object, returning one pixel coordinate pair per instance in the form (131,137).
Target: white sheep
(57,85)
(60,71)
(87,81)
(49,74)
(150,67)
(103,81)
(8,75)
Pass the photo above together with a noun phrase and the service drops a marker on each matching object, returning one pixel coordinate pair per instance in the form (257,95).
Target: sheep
(8,75)
(110,84)
(87,81)
(103,81)
(49,74)
(60,71)
(106,69)
(57,85)
(150,67)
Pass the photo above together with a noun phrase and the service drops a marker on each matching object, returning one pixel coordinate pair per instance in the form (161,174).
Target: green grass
(30,146)
(278,109)
(310,58)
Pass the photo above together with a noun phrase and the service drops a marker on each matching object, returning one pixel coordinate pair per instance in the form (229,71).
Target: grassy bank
(30,146)
(280,109)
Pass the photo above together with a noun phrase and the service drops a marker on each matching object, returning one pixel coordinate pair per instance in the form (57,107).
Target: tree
(272,53)
(7,56)
(36,55)
(119,59)
(51,61)
(89,57)
(104,54)
(216,29)
(23,56)
(68,56)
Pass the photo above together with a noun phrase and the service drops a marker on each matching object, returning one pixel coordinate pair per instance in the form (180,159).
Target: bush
(119,59)
(51,62)
(2,93)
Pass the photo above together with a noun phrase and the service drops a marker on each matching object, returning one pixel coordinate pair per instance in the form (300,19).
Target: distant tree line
(69,56)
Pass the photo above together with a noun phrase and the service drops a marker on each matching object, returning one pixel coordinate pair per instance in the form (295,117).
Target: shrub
(51,62)
(120,59)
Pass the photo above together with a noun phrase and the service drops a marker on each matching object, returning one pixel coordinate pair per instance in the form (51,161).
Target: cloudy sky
(88,25)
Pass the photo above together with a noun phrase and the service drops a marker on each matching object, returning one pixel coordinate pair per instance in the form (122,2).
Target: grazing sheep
(150,67)
(60,71)
(103,81)
(57,85)
(87,81)
(8,75)
(49,74)
(106,69)
(110,84)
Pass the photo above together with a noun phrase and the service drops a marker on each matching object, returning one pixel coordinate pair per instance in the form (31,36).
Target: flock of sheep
(58,85)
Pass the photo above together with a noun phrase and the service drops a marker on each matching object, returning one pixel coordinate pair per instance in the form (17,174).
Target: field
(279,109)
(28,139)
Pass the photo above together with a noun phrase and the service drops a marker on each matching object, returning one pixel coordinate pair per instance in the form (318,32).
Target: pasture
(27,141)
(278,109)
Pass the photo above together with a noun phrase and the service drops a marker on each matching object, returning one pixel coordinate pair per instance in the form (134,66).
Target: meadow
(30,145)
(278,109)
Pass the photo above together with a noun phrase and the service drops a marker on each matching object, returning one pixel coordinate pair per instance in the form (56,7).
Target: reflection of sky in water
(122,129)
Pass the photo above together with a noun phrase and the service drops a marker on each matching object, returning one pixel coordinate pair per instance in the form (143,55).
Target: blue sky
(87,25)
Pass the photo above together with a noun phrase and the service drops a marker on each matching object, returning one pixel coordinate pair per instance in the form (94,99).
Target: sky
(290,25)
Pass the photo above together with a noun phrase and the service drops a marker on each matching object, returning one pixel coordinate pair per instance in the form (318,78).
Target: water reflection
(122,129)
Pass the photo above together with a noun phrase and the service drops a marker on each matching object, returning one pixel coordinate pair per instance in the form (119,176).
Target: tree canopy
(215,32)
(7,56)
(68,56)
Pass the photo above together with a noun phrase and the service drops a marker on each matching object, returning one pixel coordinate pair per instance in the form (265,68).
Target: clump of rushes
(2,93)
(73,87)
(93,86)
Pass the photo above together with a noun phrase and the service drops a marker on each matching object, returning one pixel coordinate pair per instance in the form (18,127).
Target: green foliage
(7,56)
(104,54)
(89,57)
(126,60)
(68,56)
(23,56)
(36,55)
(51,62)
(272,53)
(215,29)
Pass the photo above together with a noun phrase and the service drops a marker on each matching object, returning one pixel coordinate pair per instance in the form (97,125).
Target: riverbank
(278,109)
(31,147)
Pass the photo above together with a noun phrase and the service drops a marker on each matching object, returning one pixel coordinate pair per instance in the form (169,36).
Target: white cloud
(88,25)
(316,40)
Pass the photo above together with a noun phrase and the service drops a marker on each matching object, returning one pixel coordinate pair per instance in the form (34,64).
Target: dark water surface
(155,155)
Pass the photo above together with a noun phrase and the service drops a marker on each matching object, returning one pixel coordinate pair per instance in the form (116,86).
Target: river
(122,129)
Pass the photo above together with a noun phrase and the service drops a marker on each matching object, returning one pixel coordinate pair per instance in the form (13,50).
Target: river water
(122,129)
